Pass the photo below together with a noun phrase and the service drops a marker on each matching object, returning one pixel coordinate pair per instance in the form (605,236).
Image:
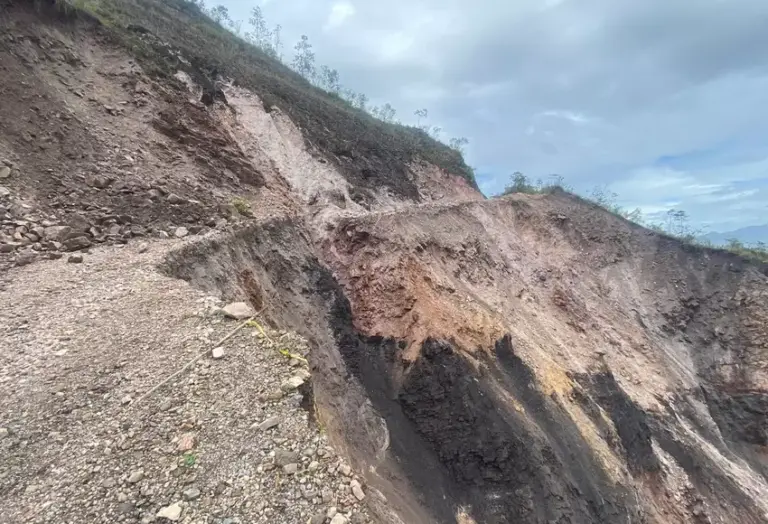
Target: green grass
(369,152)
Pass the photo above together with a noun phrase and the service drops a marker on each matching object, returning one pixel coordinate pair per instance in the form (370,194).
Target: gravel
(82,346)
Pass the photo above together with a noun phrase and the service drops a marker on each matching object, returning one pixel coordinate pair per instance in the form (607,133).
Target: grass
(242,206)
(188,460)
(369,152)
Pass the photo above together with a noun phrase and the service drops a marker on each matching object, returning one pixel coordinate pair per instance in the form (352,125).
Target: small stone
(345,470)
(25,258)
(283,458)
(4,192)
(77,243)
(75,259)
(317,518)
(270,423)
(126,400)
(180,232)
(7,248)
(186,442)
(191,493)
(292,383)
(313,466)
(172,512)
(357,490)
(108,483)
(217,353)
(143,247)
(238,310)
(136,476)
(97,181)
(173,198)
(331,512)
(4,432)
(126,508)
(291,469)
(5,172)
(339,519)
(327,495)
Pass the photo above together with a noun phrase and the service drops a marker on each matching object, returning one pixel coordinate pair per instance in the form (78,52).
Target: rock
(4,433)
(339,519)
(57,233)
(238,310)
(270,423)
(7,248)
(292,383)
(126,508)
(283,458)
(317,518)
(135,477)
(5,172)
(97,181)
(172,512)
(180,232)
(187,442)
(4,192)
(326,495)
(75,259)
(331,512)
(143,247)
(25,258)
(126,400)
(291,469)
(218,353)
(173,198)
(77,243)
(345,470)
(191,493)
(357,490)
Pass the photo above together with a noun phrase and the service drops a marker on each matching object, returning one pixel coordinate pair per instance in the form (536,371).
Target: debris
(238,310)
(172,512)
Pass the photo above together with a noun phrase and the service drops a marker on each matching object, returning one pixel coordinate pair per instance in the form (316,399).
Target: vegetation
(676,223)
(367,143)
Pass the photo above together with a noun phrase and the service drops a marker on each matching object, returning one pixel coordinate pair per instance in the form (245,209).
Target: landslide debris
(417,354)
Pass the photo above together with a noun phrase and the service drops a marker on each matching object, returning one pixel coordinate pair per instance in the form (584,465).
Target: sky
(664,103)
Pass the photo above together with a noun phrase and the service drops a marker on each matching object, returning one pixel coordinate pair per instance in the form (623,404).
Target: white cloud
(340,13)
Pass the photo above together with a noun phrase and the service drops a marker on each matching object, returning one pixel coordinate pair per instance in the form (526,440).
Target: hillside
(746,235)
(226,296)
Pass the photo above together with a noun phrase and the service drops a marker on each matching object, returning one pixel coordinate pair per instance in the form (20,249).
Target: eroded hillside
(520,359)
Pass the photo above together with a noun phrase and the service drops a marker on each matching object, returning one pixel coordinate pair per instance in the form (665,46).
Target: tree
(219,14)
(458,144)
(277,43)
(304,59)
(420,113)
(360,101)
(387,113)
(259,35)
(519,184)
(434,132)
(329,79)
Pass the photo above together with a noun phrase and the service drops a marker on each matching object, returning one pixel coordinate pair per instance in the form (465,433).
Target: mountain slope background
(746,235)
(528,358)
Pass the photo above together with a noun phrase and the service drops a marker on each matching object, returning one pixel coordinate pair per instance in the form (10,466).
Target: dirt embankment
(527,359)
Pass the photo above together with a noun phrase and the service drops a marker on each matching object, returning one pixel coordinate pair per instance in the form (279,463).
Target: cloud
(660,100)
(339,14)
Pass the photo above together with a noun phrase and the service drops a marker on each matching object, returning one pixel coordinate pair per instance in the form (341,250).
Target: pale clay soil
(82,343)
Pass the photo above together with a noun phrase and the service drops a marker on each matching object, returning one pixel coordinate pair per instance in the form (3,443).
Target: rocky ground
(85,437)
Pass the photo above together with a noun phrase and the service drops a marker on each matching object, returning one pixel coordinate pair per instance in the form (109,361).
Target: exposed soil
(521,359)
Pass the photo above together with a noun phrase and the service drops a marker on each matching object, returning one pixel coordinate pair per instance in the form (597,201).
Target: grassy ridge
(369,152)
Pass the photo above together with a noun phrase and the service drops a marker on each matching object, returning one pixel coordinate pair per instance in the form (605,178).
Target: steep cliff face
(520,359)
(525,359)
